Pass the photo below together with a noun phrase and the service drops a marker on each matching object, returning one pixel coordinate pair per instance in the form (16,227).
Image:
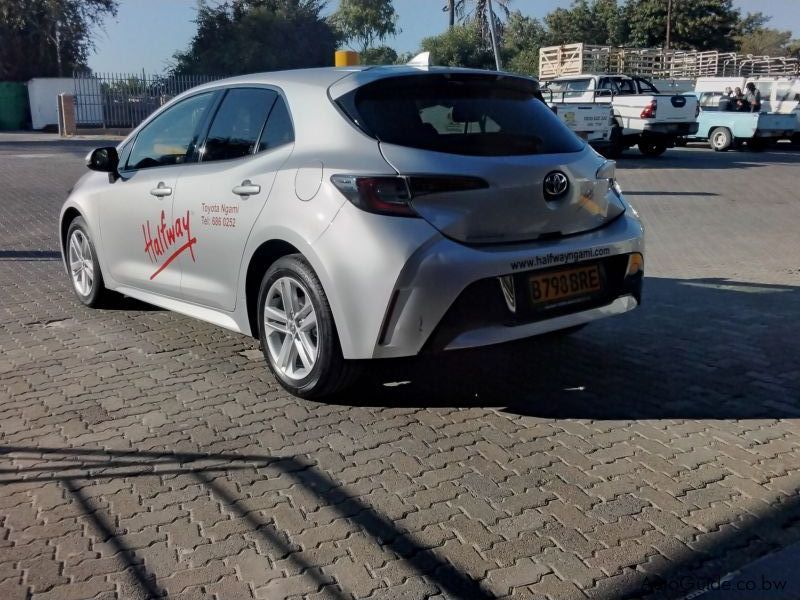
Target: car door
(141,235)
(249,139)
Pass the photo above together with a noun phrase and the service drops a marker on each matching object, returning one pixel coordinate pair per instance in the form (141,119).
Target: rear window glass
(474,115)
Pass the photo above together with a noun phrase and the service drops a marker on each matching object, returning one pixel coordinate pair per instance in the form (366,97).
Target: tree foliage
(696,24)
(246,36)
(765,40)
(379,55)
(460,46)
(47,38)
(365,21)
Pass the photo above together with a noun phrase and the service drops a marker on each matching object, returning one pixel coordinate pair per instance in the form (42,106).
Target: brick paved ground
(143,453)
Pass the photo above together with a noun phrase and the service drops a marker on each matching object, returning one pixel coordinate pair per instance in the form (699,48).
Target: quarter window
(238,123)
(171,137)
(279,130)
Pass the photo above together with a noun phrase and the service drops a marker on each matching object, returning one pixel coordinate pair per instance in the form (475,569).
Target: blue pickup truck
(727,128)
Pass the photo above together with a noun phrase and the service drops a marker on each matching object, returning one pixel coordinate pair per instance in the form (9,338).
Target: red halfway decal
(163,239)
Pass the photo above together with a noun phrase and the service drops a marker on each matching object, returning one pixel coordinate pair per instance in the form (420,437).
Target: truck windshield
(467,114)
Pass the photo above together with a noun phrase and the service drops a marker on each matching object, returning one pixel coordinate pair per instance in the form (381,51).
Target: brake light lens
(697,110)
(392,195)
(649,111)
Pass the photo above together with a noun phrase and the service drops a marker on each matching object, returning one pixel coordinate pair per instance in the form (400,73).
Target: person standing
(753,97)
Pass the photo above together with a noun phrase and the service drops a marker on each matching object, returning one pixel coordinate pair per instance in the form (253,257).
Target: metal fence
(123,100)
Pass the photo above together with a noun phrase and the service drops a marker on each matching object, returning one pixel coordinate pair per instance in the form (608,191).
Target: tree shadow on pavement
(699,348)
(76,468)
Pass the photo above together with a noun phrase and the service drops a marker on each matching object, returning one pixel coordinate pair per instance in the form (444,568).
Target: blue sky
(146,33)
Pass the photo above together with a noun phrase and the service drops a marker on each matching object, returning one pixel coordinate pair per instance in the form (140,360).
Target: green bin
(13,105)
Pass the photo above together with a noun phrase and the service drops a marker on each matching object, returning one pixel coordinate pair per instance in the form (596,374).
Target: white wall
(43,95)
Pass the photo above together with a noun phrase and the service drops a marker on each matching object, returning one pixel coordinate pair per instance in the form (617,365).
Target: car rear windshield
(468,114)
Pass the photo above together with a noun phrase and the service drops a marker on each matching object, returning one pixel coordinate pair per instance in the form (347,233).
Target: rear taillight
(697,110)
(649,111)
(381,195)
(393,195)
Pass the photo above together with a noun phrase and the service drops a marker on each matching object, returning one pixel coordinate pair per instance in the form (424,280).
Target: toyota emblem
(556,185)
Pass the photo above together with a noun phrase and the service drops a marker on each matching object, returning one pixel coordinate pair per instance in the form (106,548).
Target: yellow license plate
(565,284)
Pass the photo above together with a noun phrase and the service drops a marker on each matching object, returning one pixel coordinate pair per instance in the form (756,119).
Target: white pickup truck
(591,121)
(642,115)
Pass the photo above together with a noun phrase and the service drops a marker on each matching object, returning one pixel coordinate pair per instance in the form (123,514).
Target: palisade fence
(123,100)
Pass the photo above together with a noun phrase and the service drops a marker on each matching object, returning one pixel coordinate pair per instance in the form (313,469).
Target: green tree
(477,11)
(764,40)
(597,22)
(522,38)
(46,38)
(364,22)
(460,46)
(696,24)
(246,36)
(380,55)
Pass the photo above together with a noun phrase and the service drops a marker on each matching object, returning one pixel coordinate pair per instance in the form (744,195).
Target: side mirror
(105,160)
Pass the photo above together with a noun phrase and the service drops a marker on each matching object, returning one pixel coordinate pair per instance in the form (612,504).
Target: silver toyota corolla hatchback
(358,213)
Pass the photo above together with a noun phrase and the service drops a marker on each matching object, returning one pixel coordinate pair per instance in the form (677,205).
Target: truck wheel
(652,148)
(720,139)
(796,140)
(757,144)
(615,147)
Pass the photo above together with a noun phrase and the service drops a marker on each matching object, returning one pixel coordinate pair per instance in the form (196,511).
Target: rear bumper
(448,295)
(773,133)
(496,334)
(675,129)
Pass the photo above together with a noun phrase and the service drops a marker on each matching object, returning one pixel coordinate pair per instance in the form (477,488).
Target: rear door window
(238,123)
(474,115)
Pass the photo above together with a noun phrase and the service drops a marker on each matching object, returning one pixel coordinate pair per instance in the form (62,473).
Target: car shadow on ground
(705,158)
(738,345)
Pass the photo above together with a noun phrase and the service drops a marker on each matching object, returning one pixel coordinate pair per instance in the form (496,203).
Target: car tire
(652,148)
(795,139)
(720,139)
(757,144)
(302,347)
(83,266)
(615,147)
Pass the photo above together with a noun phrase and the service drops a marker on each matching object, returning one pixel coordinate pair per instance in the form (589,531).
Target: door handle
(247,188)
(161,190)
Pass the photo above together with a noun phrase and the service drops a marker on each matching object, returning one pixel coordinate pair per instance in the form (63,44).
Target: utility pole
(494,38)
(669,24)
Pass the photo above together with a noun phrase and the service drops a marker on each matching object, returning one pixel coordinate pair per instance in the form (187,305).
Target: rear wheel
(83,265)
(298,336)
(615,147)
(757,144)
(652,148)
(796,140)
(720,139)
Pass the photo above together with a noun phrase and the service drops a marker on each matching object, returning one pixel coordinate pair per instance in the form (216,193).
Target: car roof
(326,77)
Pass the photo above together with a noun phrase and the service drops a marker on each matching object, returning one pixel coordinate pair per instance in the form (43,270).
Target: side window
(645,87)
(626,87)
(238,123)
(784,92)
(171,137)
(279,130)
(710,100)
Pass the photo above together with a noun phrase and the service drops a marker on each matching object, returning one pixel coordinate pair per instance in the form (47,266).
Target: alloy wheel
(290,324)
(81,265)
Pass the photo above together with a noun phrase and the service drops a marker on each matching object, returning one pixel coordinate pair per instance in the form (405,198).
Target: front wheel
(83,265)
(720,139)
(652,148)
(298,336)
